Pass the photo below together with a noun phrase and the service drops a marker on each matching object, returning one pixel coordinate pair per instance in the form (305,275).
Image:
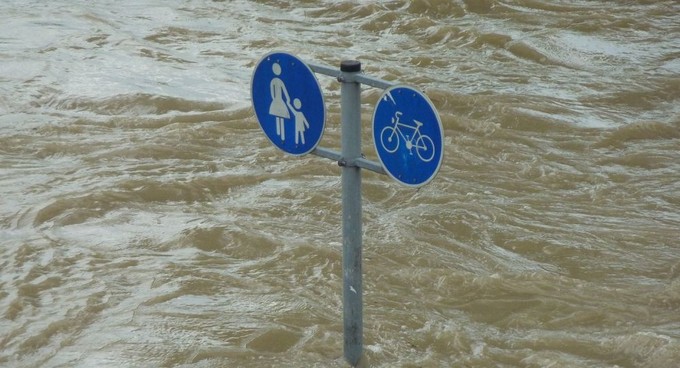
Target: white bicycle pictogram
(391,135)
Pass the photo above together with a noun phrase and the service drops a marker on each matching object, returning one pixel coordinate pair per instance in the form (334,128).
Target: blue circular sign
(408,135)
(288,103)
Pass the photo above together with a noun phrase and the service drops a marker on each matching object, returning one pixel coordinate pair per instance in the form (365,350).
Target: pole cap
(350,66)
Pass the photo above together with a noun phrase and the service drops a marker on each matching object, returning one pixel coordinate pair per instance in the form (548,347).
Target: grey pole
(350,106)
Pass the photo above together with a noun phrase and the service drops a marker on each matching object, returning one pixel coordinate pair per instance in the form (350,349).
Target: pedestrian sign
(288,103)
(408,135)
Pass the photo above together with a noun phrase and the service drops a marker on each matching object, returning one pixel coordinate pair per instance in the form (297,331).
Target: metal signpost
(408,138)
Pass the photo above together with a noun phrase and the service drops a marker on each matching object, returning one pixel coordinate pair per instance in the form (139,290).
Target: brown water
(146,221)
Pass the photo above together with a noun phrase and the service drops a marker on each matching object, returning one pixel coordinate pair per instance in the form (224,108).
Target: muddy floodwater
(146,220)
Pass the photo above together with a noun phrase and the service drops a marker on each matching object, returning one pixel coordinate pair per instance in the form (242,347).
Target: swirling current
(146,221)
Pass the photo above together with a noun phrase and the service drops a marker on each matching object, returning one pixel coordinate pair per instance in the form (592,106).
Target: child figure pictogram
(301,123)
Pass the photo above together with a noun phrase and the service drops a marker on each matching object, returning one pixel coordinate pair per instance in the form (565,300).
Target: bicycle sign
(391,135)
(408,135)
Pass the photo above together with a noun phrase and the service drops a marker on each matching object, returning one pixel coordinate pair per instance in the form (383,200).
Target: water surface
(145,220)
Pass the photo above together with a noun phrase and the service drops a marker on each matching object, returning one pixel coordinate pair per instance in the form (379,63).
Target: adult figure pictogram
(279,107)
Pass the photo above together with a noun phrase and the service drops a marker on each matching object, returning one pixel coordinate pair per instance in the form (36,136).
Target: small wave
(67,327)
(384,21)
(525,51)
(171,35)
(137,104)
(648,96)
(549,6)
(522,49)
(647,130)
(134,194)
(436,8)
(238,243)
(274,341)
(163,56)
(646,349)
(345,11)
(480,6)
(443,34)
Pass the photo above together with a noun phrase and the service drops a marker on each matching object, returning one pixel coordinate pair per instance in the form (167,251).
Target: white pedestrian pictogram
(301,123)
(281,108)
(278,107)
